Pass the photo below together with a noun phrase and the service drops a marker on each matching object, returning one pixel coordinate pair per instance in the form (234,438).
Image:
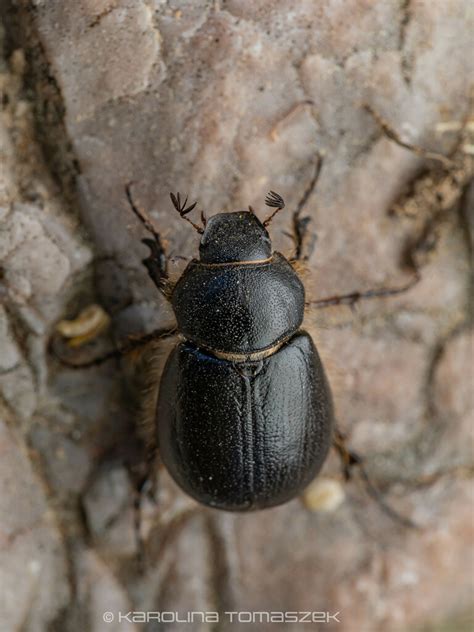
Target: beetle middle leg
(423,239)
(354,297)
(133,344)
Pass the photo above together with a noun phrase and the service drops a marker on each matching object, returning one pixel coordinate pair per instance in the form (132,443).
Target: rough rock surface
(225,100)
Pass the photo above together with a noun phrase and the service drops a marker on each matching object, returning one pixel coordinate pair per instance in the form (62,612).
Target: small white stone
(34,567)
(323,494)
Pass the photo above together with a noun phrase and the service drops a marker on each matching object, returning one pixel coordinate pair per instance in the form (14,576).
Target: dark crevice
(466,223)
(52,147)
(405,464)
(100,16)
(42,90)
(18,330)
(406,58)
(223,581)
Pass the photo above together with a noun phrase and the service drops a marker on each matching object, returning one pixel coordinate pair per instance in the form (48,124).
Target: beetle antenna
(183,210)
(203,219)
(273,200)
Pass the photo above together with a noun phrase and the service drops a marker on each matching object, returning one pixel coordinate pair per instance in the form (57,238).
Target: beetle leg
(142,481)
(354,297)
(300,224)
(350,460)
(137,526)
(132,345)
(156,263)
(393,135)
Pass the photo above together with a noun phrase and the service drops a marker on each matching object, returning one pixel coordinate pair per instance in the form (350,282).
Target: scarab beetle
(244,416)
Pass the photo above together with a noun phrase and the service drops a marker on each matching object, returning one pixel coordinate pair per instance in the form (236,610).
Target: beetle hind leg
(349,461)
(145,475)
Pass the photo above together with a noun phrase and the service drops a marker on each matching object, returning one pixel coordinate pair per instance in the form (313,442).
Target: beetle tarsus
(140,213)
(137,528)
(299,236)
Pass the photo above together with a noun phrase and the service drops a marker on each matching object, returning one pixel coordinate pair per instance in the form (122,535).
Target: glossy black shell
(231,237)
(244,436)
(239,308)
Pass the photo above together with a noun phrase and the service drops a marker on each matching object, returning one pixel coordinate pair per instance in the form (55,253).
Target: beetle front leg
(157,266)
(156,263)
(300,231)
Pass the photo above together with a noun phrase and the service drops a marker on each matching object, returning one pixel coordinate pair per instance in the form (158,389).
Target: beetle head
(237,236)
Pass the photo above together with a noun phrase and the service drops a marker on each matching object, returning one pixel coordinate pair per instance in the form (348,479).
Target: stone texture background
(225,100)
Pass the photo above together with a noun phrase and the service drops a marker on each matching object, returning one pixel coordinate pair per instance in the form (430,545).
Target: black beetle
(244,416)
